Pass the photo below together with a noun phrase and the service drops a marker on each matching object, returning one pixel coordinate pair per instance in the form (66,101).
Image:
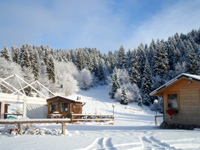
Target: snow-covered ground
(134,128)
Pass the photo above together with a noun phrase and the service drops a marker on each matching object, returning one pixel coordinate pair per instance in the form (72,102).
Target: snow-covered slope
(98,102)
(133,129)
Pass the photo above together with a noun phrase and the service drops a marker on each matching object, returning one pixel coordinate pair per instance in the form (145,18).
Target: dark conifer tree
(35,65)
(51,69)
(101,74)
(5,54)
(24,57)
(161,60)
(147,84)
(134,74)
(129,56)
(121,58)
(115,83)
(124,99)
(192,61)
(141,59)
(15,54)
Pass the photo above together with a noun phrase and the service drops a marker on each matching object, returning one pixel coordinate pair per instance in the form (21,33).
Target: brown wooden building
(59,106)
(181,100)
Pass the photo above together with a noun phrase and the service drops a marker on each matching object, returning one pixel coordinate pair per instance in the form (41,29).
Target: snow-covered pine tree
(192,61)
(51,69)
(161,60)
(101,74)
(151,53)
(5,54)
(129,56)
(121,58)
(141,59)
(147,84)
(115,83)
(24,57)
(35,65)
(134,73)
(171,55)
(46,54)
(111,62)
(15,54)
(95,66)
(124,99)
(139,100)
(80,61)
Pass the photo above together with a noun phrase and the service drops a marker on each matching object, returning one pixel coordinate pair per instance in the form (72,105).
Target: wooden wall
(188,101)
(74,107)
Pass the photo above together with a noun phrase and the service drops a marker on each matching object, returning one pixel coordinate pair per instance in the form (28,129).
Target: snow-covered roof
(183,75)
(66,98)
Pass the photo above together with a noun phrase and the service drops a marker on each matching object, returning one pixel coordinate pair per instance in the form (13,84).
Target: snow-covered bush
(84,79)
(123,76)
(69,85)
(9,68)
(65,76)
(132,90)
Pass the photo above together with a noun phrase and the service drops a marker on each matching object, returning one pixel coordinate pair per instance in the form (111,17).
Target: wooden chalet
(62,107)
(181,100)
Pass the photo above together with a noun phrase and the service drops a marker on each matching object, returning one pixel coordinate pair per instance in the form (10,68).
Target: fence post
(63,128)
(20,128)
(156,120)
(72,118)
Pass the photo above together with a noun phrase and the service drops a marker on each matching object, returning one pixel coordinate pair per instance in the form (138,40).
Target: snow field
(134,128)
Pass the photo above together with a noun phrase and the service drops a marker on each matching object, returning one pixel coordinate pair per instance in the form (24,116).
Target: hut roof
(183,75)
(66,99)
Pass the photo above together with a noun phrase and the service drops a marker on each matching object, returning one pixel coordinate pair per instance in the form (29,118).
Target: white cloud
(180,18)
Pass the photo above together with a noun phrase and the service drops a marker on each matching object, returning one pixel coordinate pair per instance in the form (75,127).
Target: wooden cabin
(59,107)
(181,100)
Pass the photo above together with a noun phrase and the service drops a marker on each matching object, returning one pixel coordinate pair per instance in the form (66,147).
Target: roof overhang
(158,91)
(79,101)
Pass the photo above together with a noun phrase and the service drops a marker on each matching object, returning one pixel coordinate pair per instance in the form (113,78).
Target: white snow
(134,128)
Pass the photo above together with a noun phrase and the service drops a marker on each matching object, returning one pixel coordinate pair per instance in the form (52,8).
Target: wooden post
(63,128)
(20,128)
(2,110)
(72,118)
(156,120)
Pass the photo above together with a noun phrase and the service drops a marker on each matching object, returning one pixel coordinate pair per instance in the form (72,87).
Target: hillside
(98,101)
(138,70)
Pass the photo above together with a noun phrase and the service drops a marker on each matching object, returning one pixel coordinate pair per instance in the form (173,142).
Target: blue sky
(104,24)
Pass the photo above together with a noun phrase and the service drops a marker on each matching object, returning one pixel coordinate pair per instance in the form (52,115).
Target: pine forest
(131,74)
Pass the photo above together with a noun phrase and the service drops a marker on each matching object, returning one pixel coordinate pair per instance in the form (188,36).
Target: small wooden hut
(181,100)
(59,106)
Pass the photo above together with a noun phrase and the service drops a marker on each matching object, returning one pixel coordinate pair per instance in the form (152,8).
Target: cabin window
(172,101)
(53,107)
(64,107)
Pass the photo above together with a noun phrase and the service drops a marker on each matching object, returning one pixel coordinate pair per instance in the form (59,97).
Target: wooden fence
(21,122)
(76,118)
